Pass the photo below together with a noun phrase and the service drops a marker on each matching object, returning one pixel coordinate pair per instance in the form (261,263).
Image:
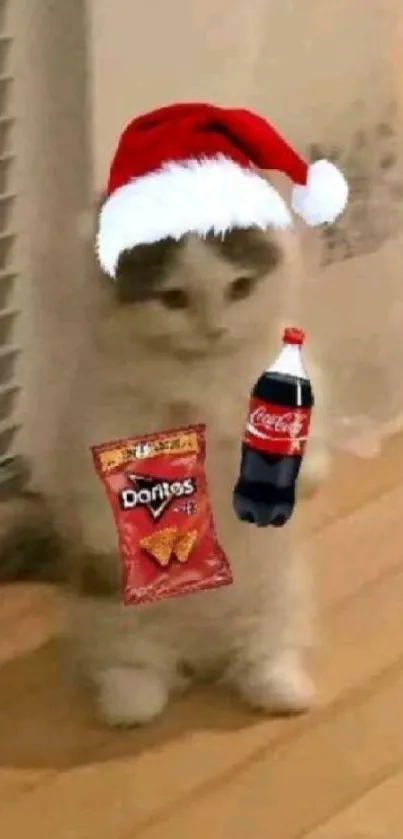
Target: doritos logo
(154,494)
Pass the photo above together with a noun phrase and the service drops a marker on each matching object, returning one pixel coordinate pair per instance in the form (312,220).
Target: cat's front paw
(131,696)
(279,686)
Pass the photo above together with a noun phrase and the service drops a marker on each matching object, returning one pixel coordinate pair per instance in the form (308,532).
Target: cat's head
(203,297)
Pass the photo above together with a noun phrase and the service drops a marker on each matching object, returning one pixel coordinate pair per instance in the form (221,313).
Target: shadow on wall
(373,165)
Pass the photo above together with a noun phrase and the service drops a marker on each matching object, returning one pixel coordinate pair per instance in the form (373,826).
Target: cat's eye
(174,298)
(241,287)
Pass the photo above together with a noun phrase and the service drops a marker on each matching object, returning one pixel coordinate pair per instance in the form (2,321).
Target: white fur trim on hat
(196,196)
(324,197)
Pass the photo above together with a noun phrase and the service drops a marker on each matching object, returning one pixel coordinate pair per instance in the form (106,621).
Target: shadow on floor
(47,722)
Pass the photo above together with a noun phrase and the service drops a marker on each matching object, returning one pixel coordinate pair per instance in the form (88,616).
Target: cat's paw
(315,469)
(131,696)
(278,686)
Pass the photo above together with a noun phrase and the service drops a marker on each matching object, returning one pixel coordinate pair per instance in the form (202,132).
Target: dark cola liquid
(265,491)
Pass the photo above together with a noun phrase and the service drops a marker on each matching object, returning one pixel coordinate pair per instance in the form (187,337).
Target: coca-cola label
(274,429)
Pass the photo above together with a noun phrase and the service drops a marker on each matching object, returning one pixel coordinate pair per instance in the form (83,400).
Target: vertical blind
(13,469)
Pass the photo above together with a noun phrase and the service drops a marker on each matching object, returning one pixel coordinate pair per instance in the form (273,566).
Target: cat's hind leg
(268,668)
(129,696)
(129,659)
(278,685)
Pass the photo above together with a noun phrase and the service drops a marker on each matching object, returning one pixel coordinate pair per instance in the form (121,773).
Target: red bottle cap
(292,335)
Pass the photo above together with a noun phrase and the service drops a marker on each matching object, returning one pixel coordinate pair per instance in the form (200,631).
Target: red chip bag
(157,488)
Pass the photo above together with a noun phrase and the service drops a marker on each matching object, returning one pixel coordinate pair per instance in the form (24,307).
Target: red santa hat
(193,168)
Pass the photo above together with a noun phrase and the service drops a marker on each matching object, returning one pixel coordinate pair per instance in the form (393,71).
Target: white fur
(196,196)
(149,369)
(324,197)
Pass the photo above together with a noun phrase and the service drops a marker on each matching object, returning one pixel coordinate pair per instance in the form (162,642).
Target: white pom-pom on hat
(324,197)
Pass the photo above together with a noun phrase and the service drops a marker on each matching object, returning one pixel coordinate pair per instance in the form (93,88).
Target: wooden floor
(335,774)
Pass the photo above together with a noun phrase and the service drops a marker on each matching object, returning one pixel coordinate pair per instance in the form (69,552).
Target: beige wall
(300,63)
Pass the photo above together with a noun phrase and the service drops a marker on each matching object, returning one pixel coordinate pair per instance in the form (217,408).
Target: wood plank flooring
(336,773)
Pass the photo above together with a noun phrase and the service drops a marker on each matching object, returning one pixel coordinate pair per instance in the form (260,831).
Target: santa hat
(192,168)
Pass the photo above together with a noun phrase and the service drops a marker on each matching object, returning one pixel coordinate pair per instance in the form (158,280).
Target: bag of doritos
(157,488)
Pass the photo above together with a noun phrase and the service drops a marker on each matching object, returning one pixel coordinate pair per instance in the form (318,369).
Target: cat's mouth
(194,352)
(187,354)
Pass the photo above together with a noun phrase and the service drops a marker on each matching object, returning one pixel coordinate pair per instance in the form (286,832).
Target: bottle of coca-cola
(275,438)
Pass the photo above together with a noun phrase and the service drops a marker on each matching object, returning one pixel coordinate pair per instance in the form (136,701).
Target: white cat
(180,337)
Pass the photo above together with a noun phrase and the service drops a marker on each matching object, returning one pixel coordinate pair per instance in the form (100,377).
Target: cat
(178,338)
